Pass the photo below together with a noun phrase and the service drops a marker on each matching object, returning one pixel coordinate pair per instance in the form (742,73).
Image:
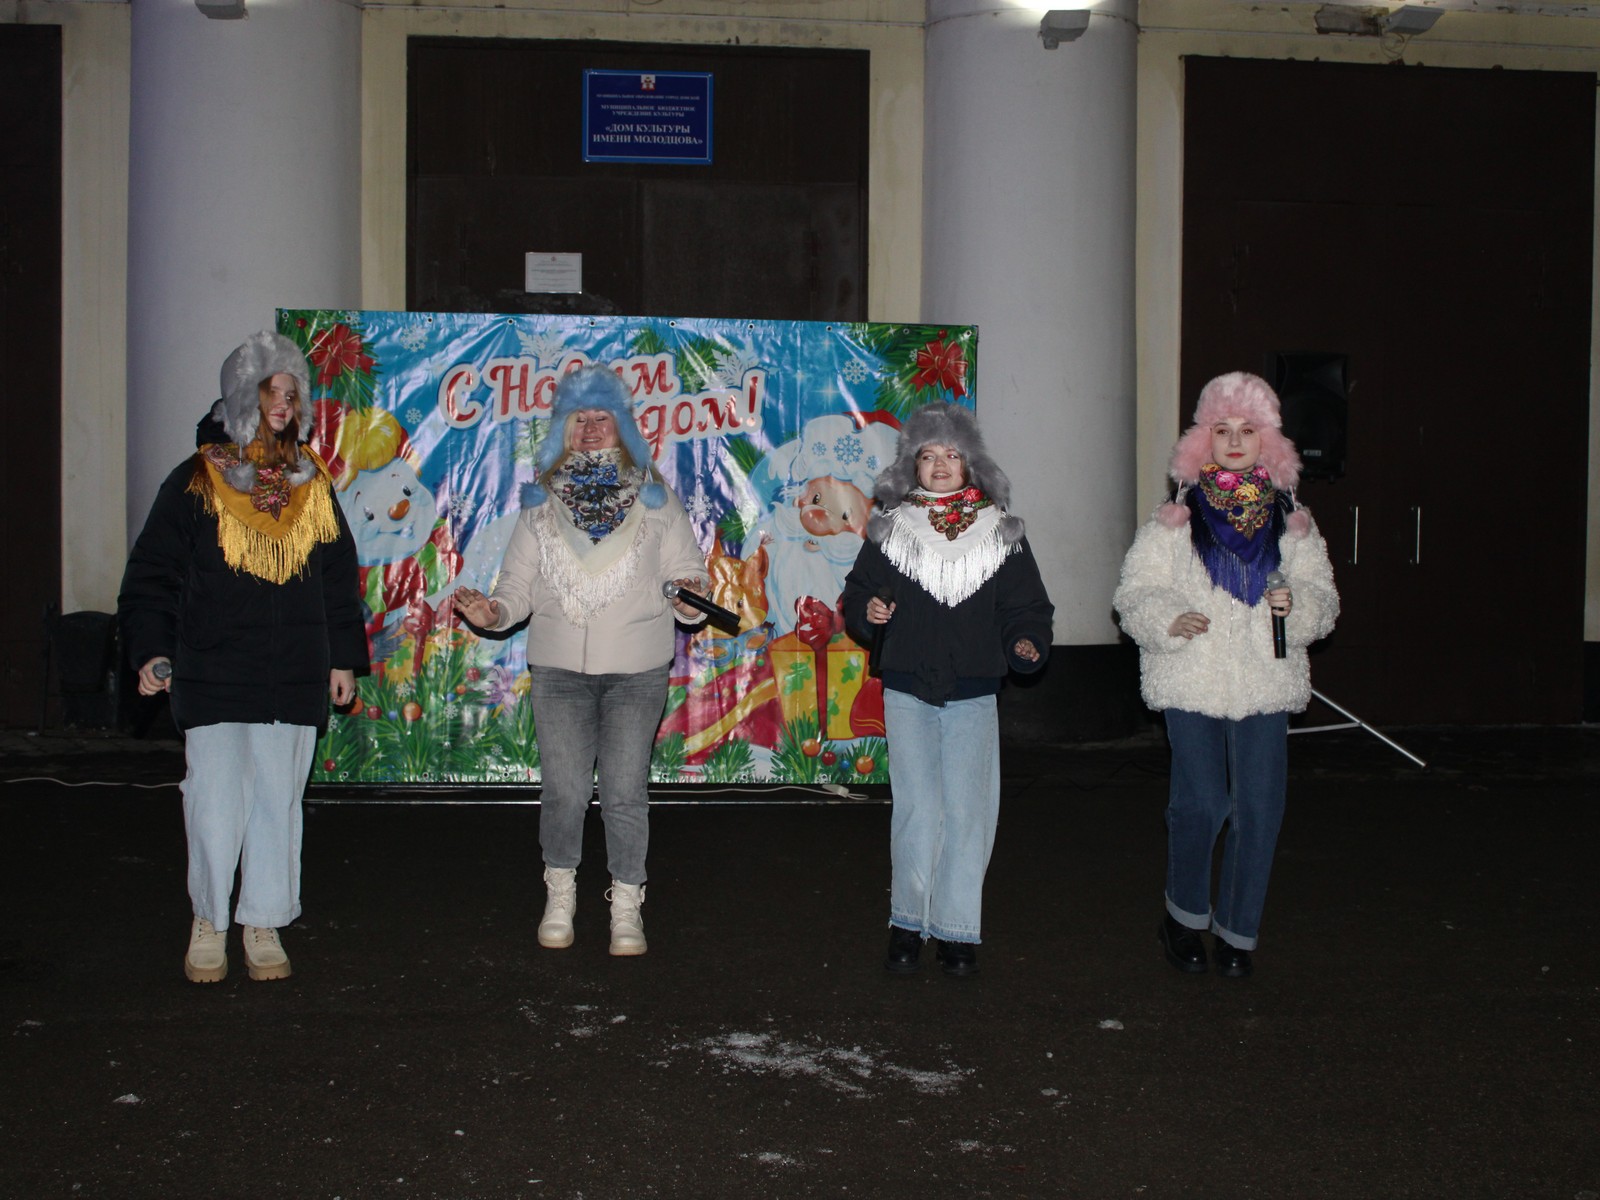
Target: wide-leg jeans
(944,778)
(241,811)
(1224,772)
(590,723)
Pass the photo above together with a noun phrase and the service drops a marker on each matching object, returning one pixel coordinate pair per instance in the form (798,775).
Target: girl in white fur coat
(1194,594)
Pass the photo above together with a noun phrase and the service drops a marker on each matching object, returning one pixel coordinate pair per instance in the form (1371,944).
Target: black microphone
(162,668)
(1280,645)
(721,617)
(886,594)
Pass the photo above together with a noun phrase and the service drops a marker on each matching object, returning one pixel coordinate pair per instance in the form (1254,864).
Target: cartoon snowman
(407,554)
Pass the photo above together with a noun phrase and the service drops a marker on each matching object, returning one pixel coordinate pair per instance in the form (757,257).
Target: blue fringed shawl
(1237,563)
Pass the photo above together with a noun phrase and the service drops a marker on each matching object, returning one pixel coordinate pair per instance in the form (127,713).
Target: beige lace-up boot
(263,954)
(561,902)
(207,959)
(627,925)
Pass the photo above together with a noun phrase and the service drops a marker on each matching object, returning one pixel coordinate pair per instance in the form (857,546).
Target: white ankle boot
(264,954)
(207,959)
(627,925)
(561,901)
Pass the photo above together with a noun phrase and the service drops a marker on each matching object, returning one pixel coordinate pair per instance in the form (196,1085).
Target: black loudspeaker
(1313,392)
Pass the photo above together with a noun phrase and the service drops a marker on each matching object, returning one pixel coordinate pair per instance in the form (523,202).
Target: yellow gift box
(795,666)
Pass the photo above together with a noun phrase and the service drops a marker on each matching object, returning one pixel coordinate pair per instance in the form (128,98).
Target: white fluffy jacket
(634,631)
(1229,670)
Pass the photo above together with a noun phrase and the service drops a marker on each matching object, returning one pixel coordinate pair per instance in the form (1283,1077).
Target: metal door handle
(1416,535)
(1355,534)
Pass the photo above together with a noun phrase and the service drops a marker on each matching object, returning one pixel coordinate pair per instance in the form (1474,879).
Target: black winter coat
(242,649)
(938,653)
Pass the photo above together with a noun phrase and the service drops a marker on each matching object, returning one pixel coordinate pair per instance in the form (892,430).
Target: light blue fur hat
(591,388)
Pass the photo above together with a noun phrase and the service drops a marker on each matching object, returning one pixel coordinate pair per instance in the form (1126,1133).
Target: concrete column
(244,196)
(1028,232)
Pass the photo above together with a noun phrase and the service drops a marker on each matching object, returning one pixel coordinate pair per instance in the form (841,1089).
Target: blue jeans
(241,811)
(945,780)
(590,722)
(1233,772)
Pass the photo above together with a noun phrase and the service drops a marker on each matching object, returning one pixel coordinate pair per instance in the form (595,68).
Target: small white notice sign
(545,272)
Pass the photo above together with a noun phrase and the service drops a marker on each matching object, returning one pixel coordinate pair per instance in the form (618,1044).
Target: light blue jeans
(590,722)
(944,777)
(1233,772)
(241,810)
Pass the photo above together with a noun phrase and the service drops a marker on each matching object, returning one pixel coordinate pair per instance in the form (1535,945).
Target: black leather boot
(1184,947)
(1232,961)
(905,951)
(958,958)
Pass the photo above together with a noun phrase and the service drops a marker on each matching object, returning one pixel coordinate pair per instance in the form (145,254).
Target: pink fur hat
(1237,394)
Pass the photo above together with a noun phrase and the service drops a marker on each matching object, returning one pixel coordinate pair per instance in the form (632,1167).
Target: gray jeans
(588,724)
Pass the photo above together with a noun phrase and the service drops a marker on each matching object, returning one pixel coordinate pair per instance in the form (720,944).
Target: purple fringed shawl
(1238,564)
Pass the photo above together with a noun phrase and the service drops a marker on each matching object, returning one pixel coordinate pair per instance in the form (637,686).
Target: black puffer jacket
(938,653)
(242,649)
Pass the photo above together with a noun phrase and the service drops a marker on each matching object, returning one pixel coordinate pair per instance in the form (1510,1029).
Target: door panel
(30,346)
(1458,284)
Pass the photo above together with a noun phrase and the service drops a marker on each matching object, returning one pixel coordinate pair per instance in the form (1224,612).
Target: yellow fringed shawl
(273,547)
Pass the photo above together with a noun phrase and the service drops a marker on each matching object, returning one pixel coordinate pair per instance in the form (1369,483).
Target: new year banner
(770,432)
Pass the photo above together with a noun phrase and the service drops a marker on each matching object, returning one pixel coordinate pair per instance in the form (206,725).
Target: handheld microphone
(162,669)
(1280,645)
(721,617)
(886,594)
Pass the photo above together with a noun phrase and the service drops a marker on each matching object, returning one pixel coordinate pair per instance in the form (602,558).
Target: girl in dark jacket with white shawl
(948,586)
(240,599)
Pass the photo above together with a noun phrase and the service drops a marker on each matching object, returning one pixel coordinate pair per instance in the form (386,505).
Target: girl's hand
(878,613)
(476,607)
(1025,650)
(1187,625)
(341,686)
(149,685)
(1280,601)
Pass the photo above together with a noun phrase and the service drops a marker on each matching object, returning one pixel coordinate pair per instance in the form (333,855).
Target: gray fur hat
(262,356)
(941,424)
(587,389)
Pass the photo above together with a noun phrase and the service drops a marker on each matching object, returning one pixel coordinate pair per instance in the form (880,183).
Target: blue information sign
(647,117)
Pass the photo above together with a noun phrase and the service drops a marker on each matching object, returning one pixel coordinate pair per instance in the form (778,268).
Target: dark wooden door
(1434,226)
(30,347)
(775,227)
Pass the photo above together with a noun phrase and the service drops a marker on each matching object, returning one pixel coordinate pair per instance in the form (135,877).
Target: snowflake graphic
(413,338)
(818,449)
(698,506)
(855,371)
(548,348)
(461,504)
(730,372)
(847,449)
(872,463)
(413,416)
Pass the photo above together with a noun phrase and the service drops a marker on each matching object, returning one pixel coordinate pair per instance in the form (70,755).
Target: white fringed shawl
(588,576)
(949,570)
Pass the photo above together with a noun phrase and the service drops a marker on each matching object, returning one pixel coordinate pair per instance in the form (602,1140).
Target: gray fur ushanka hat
(941,424)
(262,356)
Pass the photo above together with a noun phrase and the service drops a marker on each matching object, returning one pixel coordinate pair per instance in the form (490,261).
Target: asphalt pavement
(1423,1021)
